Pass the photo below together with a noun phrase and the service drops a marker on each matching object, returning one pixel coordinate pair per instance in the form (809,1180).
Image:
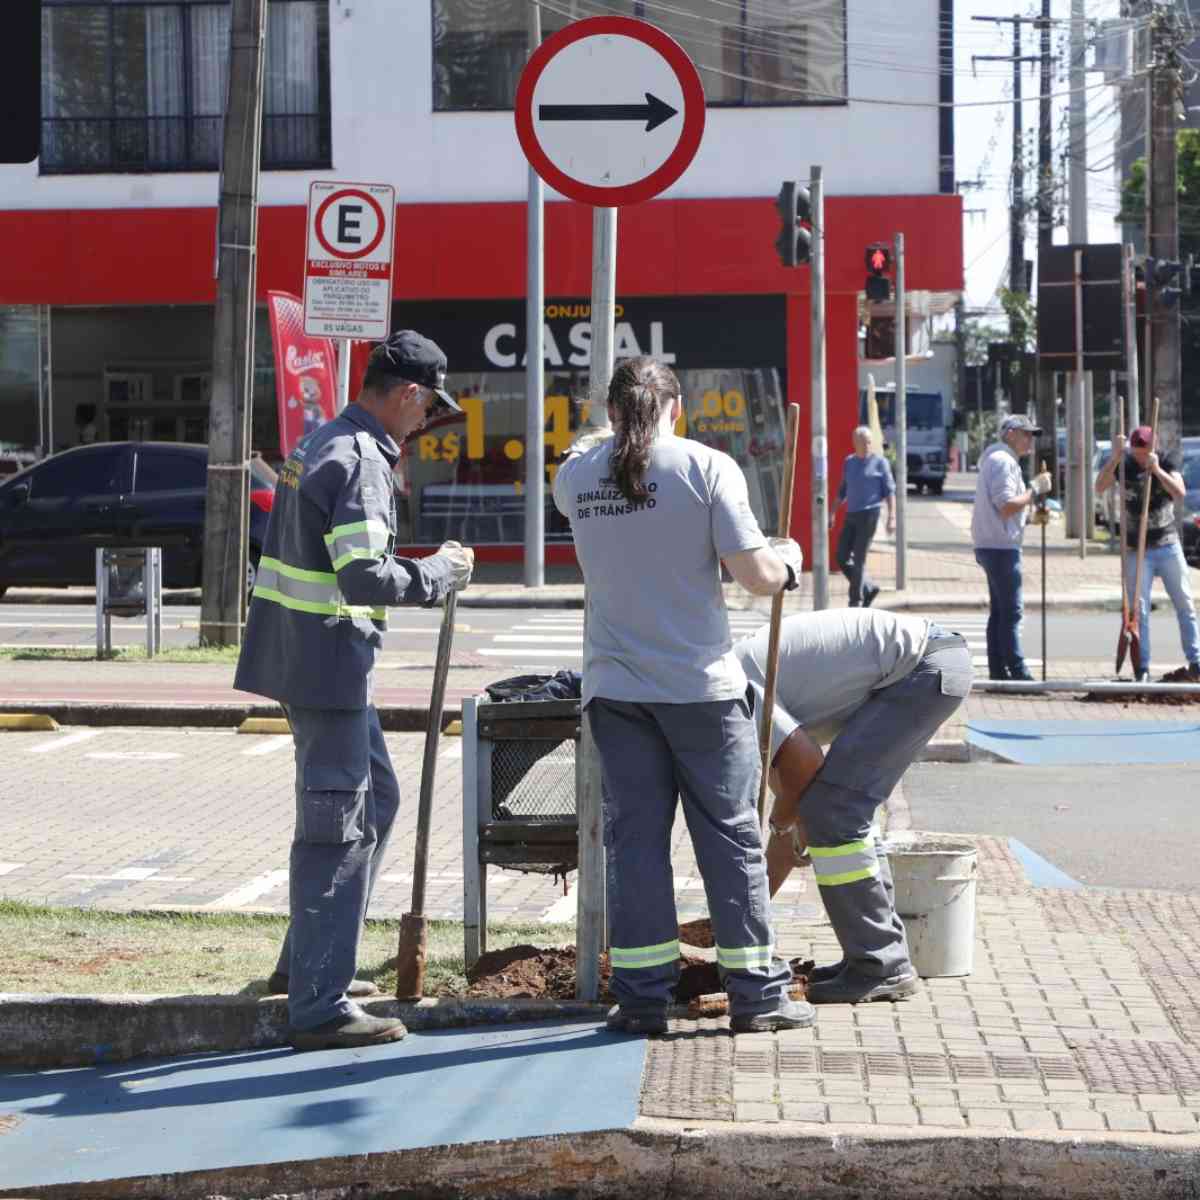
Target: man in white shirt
(1002,503)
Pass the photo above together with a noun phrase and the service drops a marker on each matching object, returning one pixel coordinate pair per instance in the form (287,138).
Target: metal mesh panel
(533,780)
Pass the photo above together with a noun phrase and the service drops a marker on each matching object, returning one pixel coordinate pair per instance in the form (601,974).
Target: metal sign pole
(535,361)
(1078,450)
(343,387)
(591,926)
(820,438)
(901,410)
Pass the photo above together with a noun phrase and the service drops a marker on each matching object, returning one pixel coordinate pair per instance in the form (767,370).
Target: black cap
(415,358)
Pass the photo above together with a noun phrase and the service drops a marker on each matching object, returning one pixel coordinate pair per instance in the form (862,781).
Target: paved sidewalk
(1066,1065)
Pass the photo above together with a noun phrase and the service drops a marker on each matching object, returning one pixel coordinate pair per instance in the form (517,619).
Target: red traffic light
(878,259)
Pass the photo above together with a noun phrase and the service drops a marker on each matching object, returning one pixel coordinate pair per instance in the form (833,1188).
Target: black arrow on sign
(654,112)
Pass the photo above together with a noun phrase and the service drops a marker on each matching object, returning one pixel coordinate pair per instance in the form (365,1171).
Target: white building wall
(384,130)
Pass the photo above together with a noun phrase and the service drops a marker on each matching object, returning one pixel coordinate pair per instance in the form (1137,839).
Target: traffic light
(1161,274)
(795,238)
(878,258)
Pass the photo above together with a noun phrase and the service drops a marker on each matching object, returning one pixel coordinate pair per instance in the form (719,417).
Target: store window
(754,52)
(141,86)
(464,477)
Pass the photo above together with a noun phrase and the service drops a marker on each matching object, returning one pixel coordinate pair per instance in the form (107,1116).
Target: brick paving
(1078,1017)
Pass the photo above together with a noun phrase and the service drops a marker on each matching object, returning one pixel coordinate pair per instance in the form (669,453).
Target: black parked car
(55,514)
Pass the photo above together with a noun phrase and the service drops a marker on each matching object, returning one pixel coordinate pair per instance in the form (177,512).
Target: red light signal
(878,259)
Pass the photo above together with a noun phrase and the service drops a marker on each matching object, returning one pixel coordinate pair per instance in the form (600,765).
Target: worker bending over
(875,687)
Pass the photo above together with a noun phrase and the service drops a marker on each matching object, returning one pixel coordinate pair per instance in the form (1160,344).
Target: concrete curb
(674,1159)
(39,1031)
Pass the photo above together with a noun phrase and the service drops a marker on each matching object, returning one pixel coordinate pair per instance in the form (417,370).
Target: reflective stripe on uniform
(740,958)
(847,863)
(360,539)
(306,591)
(635,957)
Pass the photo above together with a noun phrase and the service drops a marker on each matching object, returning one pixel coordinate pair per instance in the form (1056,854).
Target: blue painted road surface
(1081,743)
(227,1110)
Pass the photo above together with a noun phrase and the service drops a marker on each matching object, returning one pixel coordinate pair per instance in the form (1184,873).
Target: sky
(983,137)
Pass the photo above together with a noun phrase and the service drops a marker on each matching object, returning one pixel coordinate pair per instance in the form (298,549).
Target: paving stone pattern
(1068,1022)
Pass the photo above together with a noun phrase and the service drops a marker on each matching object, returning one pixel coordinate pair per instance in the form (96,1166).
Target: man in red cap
(1164,555)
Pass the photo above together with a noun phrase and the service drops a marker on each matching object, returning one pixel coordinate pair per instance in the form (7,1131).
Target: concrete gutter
(39,1031)
(676,1160)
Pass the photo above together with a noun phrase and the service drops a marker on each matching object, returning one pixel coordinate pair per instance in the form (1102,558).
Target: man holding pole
(1002,504)
(326,577)
(653,516)
(877,686)
(1163,554)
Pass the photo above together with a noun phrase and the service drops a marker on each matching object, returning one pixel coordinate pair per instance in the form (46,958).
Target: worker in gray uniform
(317,616)
(875,686)
(653,516)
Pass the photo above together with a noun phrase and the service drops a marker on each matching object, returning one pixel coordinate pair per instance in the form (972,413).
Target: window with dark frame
(754,54)
(139,85)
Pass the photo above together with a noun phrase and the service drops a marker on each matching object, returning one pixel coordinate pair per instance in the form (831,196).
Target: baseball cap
(1143,435)
(413,357)
(1019,422)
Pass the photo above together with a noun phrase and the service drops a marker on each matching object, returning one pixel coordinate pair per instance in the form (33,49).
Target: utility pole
(1018,284)
(1047,405)
(1162,241)
(535,360)
(223,602)
(820,438)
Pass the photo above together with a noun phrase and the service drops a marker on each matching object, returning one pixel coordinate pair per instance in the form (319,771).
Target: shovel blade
(410,957)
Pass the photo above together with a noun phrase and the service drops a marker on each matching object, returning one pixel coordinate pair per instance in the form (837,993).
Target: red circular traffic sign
(608,98)
(380,223)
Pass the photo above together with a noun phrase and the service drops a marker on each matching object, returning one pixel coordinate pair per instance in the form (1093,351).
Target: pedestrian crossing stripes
(560,637)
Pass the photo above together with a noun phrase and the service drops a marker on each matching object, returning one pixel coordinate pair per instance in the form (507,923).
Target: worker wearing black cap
(1002,503)
(325,579)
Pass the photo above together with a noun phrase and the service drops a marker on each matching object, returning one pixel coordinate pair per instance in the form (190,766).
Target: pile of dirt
(530,971)
(537,972)
(697,933)
(1178,700)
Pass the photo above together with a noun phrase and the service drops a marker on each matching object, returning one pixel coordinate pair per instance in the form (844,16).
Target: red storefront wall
(131,257)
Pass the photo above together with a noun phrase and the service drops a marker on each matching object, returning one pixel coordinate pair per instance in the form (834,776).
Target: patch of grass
(171,654)
(73,951)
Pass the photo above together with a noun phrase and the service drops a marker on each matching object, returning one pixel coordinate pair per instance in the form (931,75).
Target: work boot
(851,986)
(359,989)
(829,971)
(869,594)
(1141,676)
(636,1020)
(789,1014)
(1020,673)
(345,1032)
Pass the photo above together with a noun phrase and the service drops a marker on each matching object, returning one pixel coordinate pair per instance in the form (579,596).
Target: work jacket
(327,572)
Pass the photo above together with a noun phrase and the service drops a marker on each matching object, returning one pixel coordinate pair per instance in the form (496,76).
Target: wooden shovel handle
(791,442)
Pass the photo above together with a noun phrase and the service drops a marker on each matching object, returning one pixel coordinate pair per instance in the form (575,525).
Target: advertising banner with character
(305,372)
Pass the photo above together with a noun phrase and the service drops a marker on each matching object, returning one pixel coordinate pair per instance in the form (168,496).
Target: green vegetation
(72,951)
(171,654)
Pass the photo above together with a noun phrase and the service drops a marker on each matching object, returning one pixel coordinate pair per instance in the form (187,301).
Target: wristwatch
(780,830)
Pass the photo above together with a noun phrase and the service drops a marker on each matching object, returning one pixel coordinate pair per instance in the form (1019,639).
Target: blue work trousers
(346,802)
(1167,562)
(706,753)
(1003,571)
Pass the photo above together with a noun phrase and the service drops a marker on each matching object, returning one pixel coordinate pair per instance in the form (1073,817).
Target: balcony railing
(90,145)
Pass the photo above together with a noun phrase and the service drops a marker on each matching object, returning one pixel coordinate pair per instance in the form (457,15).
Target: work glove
(793,559)
(462,562)
(589,439)
(1039,485)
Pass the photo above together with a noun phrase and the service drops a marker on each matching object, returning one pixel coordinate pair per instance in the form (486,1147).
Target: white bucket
(935,897)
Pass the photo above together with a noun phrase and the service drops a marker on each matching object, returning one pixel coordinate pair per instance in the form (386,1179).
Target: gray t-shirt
(829,664)
(999,482)
(657,627)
